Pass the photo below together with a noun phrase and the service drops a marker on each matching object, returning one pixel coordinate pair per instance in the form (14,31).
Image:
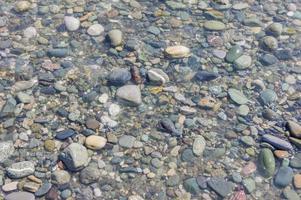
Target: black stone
(268,59)
(119,77)
(205,76)
(284,54)
(62,135)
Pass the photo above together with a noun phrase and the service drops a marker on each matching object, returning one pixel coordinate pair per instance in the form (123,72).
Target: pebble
(295,161)
(75,157)
(275,29)
(59,52)
(220,186)
(277,142)
(10,186)
(270,43)
(95,30)
(24,97)
(191,186)
(177,51)
(237,96)
(249,184)
(30,32)
(130,94)
(290,194)
(199,145)
(6,150)
(92,124)
(235,52)
(62,135)
(205,76)
(89,175)
(114,110)
(119,77)
(71,23)
(20,169)
(284,176)
(22,6)
(95,142)
(243,110)
(243,62)
(126,141)
(61,178)
(20,195)
(45,187)
(214,25)
(268,96)
(268,59)
(115,37)
(297,181)
(157,76)
(266,162)
(31,187)
(294,129)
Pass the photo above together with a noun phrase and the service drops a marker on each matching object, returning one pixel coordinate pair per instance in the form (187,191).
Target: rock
(157,76)
(234,53)
(22,6)
(266,162)
(43,189)
(61,178)
(295,141)
(49,145)
(294,129)
(243,110)
(191,186)
(92,124)
(168,126)
(95,142)
(249,184)
(253,22)
(115,37)
(205,76)
(220,186)
(274,29)
(177,51)
(247,140)
(20,169)
(8,108)
(237,96)
(58,52)
(6,150)
(199,145)
(202,181)
(281,154)
(95,30)
(188,156)
(119,77)
(114,110)
(268,96)
(31,187)
(62,135)
(71,23)
(284,54)
(270,43)
(24,97)
(277,142)
(8,187)
(135,197)
(297,181)
(30,32)
(290,194)
(173,181)
(126,141)
(295,162)
(20,195)
(268,59)
(284,176)
(75,157)
(243,62)
(52,194)
(130,94)
(214,25)
(89,175)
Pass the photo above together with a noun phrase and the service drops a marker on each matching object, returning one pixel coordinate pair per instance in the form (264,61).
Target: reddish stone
(249,169)
(239,195)
(52,194)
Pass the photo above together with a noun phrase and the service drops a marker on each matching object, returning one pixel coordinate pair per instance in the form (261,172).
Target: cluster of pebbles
(160,100)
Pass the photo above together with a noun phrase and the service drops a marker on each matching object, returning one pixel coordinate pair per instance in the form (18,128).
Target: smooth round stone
(220,186)
(214,25)
(268,96)
(274,29)
(270,43)
(266,162)
(284,54)
(277,142)
(10,186)
(177,51)
(30,32)
(173,181)
(297,181)
(20,195)
(119,77)
(95,30)
(243,110)
(202,181)
(237,96)
(62,135)
(199,145)
(126,141)
(219,53)
(247,140)
(89,175)
(6,150)
(75,157)
(71,23)
(205,76)
(294,129)
(249,184)
(268,59)
(95,142)
(290,194)
(240,6)
(130,94)
(187,155)
(234,53)
(243,62)
(59,52)
(22,6)
(115,37)
(284,176)
(43,189)
(295,162)
(61,178)
(24,97)
(66,193)
(157,76)
(20,169)
(191,186)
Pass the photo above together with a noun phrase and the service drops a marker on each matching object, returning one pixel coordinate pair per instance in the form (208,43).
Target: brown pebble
(281,154)
(248,169)
(52,194)
(297,181)
(35,179)
(92,124)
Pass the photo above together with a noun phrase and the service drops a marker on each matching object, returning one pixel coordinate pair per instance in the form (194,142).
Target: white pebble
(103,98)
(114,110)
(30,32)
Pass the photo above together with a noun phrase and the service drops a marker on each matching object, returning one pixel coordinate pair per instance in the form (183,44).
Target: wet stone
(62,135)
(45,187)
(290,194)
(6,150)
(220,186)
(191,186)
(61,178)
(277,142)
(95,30)
(130,94)
(187,155)
(89,175)
(205,76)
(243,62)
(173,181)
(126,141)
(284,54)
(213,25)
(60,53)
(294,129)
(268,59)
(237,96)
(20,195)
(270,43)
(115,37)
(8,108)
(119,77)
(249,184)
(295,162)
(234,53)
(202,181)
(71,23)
(268,96)
(284,176)
(20,169)
(266,162)
(199,145)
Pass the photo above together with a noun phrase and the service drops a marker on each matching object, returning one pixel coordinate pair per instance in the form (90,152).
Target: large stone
(177,51)
(191,186)
(284,176)
(277,142)
(19,196)
(243,62)
(75,157)
(157,76)
(20,169)
(126,141)
(220,186)
(89,175)
(115,37)
(237,96)
(266,162)
(119,77)
(71,23)
(234,53)
(294,129)
(214,25)
(95,142)
(130,94)
(6,150)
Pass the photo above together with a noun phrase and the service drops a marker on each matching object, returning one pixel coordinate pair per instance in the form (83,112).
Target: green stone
(191,186)
(237,96)
(243,62)
(249,184)
(214,25)
(295,141)
(49,145)
(266,162)
(234,53)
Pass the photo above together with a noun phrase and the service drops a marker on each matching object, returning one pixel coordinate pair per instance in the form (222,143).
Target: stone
(114,110)
(281,154)
(268,59)
(8,187)
(95,30)
(24,97)
(290,194)
(203,76)
(237,96)
(277,142)
(284,54)
(95,142)
(249,184)
(157,76)
(187,155)
(126,141)
(243,110)
(234,53)
(22,6)
(243,62)
(177,51)
(247,140)
(173,181)
(214,25)
(135,197)
(284,176)
(92,124)
(58,52)
(130,94)
(20,169)
(71,23)
(295,161)
(297,181)
(45,187)
(268,96)
(61,178)
(6,150)
(191,186)
(220,186)
(202,181)
(62,135)
(115,37)
(266,162)
(30,32)
(89,175)
(31,187)
(295,141)
(270,43)
(199,145)
(75,157)
(8,108)
(294,129)
(119,77)
(49,145)
(253,22)
(274,29)
(20,195)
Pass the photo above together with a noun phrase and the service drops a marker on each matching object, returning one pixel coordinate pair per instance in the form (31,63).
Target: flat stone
(295,161)
(243,62)
(61,178)
(249,184)
(199,145)
(157,76)
(268,59)
(191,186)
(75,157)
(130,94)
(95,30)
(277,142)
(45,187)
(284,176)
(220,186)
(290,194)
(202,181)
(31,187)
(8,108)
(126,141)
(214,25)
(92,124)
(268,96)
(24,97)
(95,142)
(203,76)
(20,169)
(20,195)
(115,37)
(266,162)
(270,43)
(237,96)
(119,77)
(297,181)
(71,23)
(10,186)
(62,135)
(234,53)
(177,51)
(89,175)
(294,129)
(6,150)
(58,52)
